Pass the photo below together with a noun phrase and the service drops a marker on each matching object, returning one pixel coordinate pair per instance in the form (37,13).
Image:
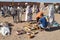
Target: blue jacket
(43,21)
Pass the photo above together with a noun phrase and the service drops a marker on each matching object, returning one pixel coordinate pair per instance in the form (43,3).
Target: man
(56,8)
(14,14)
(27,11)
(36,9)
(59,9)
(28,16)
(2,9)
(18,14)
(33,9)
(51,14)
(43,22)
(5,10)
(9,13)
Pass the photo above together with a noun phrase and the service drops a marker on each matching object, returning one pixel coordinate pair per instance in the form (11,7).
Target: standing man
(19,14)
(51,14)
(27,11)
(56,8)
(2,9)
(5,10)
(33,9)
(9,13)
(28,16)
(14,14)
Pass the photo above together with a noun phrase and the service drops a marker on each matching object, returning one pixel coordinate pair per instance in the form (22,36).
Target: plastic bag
(55,24)
(5,31)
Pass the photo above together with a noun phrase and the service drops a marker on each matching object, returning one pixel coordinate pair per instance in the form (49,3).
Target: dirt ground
(44,35)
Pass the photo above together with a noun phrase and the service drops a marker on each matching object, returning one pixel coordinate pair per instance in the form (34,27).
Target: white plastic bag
(5,30)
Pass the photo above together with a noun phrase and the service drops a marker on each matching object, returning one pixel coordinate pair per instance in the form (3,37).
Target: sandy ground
(44,35)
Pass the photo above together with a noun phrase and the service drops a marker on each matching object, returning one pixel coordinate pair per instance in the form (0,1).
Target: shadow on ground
(53,29)
(32,21)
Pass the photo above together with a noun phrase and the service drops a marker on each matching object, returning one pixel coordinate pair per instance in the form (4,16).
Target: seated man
(43,23)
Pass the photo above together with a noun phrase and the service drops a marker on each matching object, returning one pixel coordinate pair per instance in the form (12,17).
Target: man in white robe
(28,14)
(51,14)
(33,9)
(19,13)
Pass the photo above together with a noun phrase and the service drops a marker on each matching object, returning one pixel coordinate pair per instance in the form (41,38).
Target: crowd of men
(17,12)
